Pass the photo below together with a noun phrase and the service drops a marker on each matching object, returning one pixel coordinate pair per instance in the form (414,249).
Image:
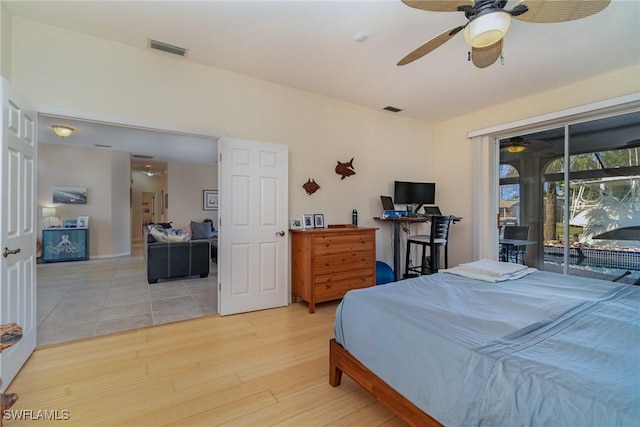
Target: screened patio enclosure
(577,188)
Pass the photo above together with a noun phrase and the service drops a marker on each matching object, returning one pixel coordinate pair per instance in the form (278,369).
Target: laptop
(387,203)
(432,210)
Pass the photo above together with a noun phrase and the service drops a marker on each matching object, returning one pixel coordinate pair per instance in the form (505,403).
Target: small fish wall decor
(310,186)
(345,169)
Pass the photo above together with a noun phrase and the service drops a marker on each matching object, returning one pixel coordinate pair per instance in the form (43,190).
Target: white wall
(120,213)
(148,86)
(185,186)
(5,42)
(107,204)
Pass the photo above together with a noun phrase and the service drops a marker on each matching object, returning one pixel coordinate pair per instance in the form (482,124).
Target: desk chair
(516,232)
(437,238)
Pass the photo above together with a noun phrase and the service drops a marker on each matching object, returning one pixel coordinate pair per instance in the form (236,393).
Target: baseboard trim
(110,256)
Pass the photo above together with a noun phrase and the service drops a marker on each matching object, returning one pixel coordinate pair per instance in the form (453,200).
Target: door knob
(6,252)
(280,233)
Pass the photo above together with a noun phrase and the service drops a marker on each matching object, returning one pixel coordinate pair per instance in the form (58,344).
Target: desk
(510,243)
(397,222)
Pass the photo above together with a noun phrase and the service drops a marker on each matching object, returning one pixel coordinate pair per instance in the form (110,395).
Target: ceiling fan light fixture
(515,148)
(62,131)
(487,29)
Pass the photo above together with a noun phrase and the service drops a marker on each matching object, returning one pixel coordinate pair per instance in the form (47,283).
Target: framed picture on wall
(210,200)
(70,195)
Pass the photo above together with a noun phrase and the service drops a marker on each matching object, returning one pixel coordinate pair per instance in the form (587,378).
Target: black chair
(515,253)
(437,238)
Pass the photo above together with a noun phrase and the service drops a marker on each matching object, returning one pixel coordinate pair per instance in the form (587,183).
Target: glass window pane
(601,230)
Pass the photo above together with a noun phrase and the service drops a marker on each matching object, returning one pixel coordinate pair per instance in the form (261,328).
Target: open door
(253,245)
(17,228)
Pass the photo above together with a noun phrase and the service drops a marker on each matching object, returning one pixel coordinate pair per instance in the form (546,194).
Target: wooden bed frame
(340,360)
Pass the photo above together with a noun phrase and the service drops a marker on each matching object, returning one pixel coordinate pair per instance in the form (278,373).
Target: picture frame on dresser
(318,220)
(307,221)
(83,221)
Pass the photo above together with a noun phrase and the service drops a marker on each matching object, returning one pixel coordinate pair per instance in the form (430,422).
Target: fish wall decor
(310,186)
(345,169)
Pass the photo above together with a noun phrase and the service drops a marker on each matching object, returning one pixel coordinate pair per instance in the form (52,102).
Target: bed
(543,349)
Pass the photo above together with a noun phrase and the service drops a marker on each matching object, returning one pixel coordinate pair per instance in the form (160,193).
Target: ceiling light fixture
(487,29)
(62,131)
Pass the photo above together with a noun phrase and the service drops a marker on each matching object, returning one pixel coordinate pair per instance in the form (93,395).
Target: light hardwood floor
(262,368)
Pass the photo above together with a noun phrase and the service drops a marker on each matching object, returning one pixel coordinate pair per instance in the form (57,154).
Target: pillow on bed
(490,271)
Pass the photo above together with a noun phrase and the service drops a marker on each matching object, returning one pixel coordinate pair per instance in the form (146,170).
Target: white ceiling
(310,45)
(160,145)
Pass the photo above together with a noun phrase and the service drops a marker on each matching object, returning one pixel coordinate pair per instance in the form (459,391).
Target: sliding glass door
(577,188)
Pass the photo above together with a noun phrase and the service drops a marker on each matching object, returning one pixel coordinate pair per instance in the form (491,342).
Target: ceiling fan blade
(431,45)
(484,56)
(438,5)
(543,11)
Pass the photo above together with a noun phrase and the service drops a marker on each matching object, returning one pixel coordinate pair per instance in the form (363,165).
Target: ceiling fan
(518,144)
(488,21)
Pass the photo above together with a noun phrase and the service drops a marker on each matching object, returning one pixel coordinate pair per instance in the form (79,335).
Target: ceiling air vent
(141,156)
(166,47)
(392,109)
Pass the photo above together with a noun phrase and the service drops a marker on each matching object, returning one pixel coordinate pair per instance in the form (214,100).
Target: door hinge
(219,286)
(219,157)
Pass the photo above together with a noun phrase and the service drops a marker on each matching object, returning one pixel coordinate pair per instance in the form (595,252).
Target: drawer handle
(329,284)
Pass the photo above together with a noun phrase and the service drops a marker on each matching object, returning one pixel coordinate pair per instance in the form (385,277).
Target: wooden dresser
(327,262)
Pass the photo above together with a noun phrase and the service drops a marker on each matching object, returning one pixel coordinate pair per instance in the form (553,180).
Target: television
(414,193)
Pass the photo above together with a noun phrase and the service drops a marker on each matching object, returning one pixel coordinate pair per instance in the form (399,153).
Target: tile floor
(96,297)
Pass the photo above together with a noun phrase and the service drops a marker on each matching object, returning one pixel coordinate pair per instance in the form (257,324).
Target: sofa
(169,255)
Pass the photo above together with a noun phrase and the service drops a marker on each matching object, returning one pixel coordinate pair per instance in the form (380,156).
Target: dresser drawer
(326,263)
(354,242)
(343,262)
(333,286)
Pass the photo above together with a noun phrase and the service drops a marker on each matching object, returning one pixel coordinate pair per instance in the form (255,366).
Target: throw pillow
(200,230)
(178,238)
(186,231)
(159,235)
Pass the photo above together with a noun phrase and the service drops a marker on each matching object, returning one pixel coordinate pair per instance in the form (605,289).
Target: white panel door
(253,245)
(17,228)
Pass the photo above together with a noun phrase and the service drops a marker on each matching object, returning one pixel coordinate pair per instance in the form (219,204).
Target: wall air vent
(166,47)
(141,156)
(392,109)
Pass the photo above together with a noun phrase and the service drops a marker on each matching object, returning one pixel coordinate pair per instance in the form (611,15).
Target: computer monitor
(414,193)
